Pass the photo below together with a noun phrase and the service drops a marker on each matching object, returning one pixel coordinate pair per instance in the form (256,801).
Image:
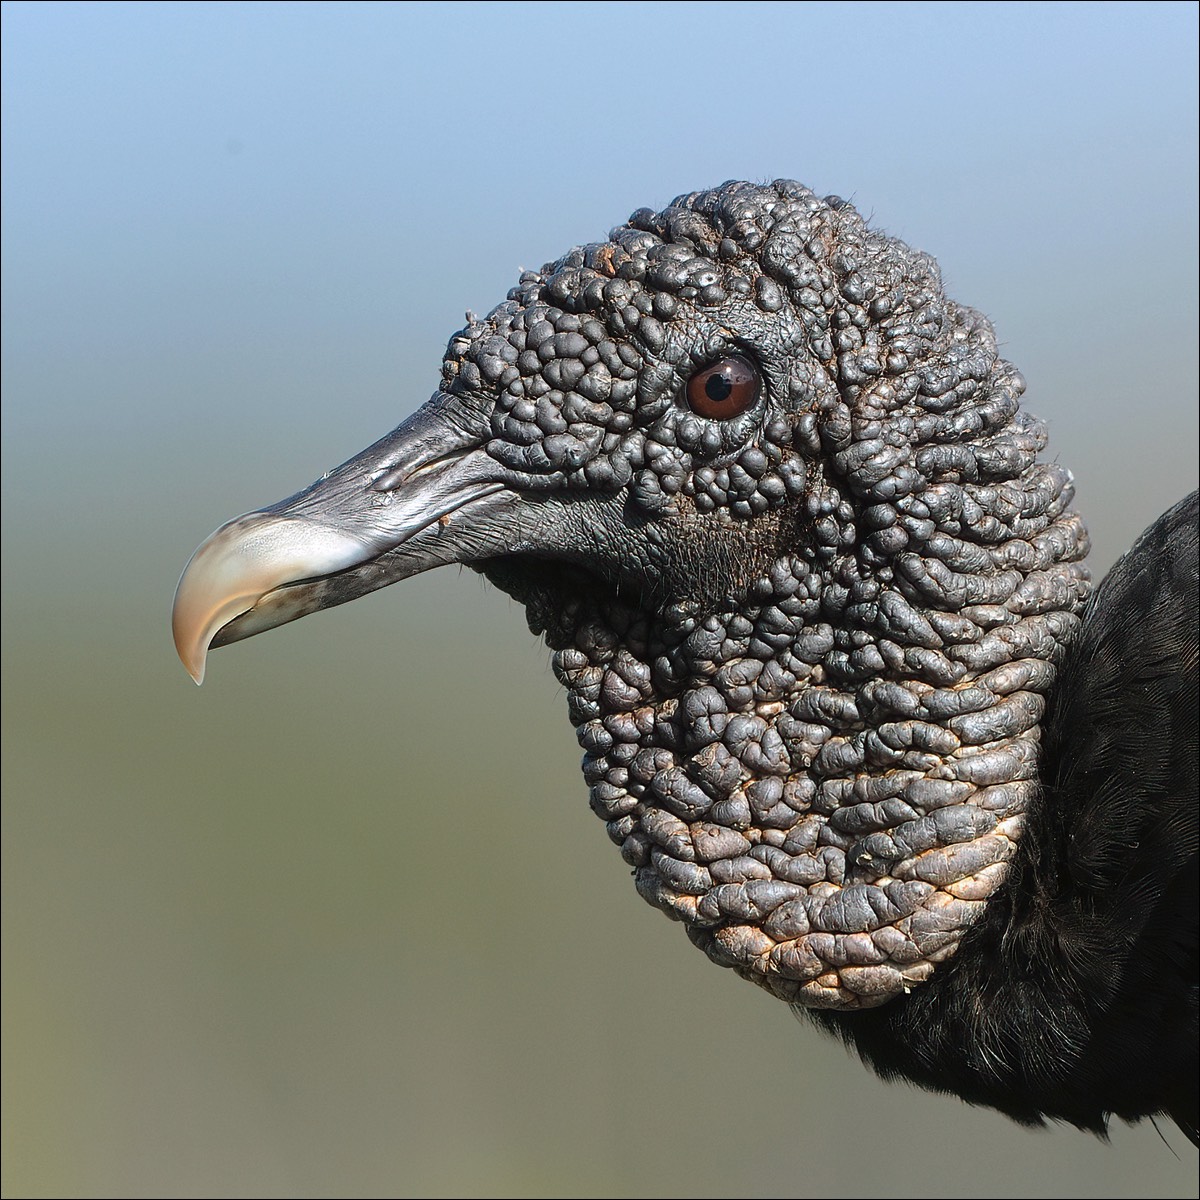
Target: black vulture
(818,601)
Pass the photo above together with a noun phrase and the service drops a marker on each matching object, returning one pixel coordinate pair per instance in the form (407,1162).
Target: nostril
(389,480)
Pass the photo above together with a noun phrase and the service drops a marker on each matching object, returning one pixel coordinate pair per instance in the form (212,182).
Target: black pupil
(717,387)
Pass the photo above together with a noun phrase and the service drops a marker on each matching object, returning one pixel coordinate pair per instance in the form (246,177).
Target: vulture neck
(824,778)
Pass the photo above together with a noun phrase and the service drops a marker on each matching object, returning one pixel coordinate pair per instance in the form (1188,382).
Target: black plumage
(820,610)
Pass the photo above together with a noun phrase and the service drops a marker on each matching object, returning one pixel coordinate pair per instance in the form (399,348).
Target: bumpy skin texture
(806,649)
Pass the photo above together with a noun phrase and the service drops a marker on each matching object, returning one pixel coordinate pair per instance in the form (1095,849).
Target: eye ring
(724,389)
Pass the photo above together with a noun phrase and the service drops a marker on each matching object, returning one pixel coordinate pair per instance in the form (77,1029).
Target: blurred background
(258,940)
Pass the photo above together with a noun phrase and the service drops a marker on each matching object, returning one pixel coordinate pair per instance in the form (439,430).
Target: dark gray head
(771,498)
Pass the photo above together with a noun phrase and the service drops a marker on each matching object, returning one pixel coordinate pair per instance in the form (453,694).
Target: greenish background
(341,923)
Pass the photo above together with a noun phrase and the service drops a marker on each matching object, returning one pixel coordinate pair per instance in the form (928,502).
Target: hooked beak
(424,495)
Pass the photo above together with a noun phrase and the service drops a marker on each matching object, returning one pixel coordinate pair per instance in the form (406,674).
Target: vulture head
(772,500)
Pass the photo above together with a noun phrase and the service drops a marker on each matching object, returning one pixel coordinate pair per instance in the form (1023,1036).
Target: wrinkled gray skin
(806,649)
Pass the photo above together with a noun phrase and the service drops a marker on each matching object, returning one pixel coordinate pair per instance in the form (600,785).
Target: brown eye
(726,389)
